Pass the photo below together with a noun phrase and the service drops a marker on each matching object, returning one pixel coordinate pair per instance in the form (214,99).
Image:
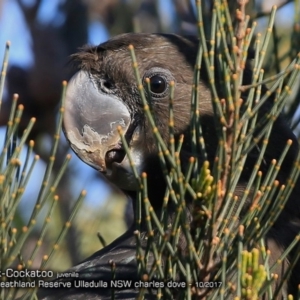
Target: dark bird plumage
(103,94)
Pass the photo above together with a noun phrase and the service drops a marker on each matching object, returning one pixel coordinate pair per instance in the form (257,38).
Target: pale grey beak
(91,120)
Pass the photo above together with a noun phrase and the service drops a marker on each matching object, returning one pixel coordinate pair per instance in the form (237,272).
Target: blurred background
(43,34)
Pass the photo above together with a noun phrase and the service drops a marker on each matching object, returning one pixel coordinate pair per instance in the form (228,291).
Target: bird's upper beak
(91,121)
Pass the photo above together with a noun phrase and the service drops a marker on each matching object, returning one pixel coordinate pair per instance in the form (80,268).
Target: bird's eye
(158,84)
(159,80)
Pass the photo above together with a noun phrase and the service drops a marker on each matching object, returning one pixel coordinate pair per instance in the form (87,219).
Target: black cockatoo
(103,95)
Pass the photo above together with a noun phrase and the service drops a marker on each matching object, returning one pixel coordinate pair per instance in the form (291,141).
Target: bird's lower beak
(91,120)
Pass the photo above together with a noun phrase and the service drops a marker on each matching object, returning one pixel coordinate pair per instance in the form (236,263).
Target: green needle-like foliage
(243,269)
(226,256)
(15,173)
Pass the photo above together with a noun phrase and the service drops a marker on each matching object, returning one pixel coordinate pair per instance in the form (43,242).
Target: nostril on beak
(107,85)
